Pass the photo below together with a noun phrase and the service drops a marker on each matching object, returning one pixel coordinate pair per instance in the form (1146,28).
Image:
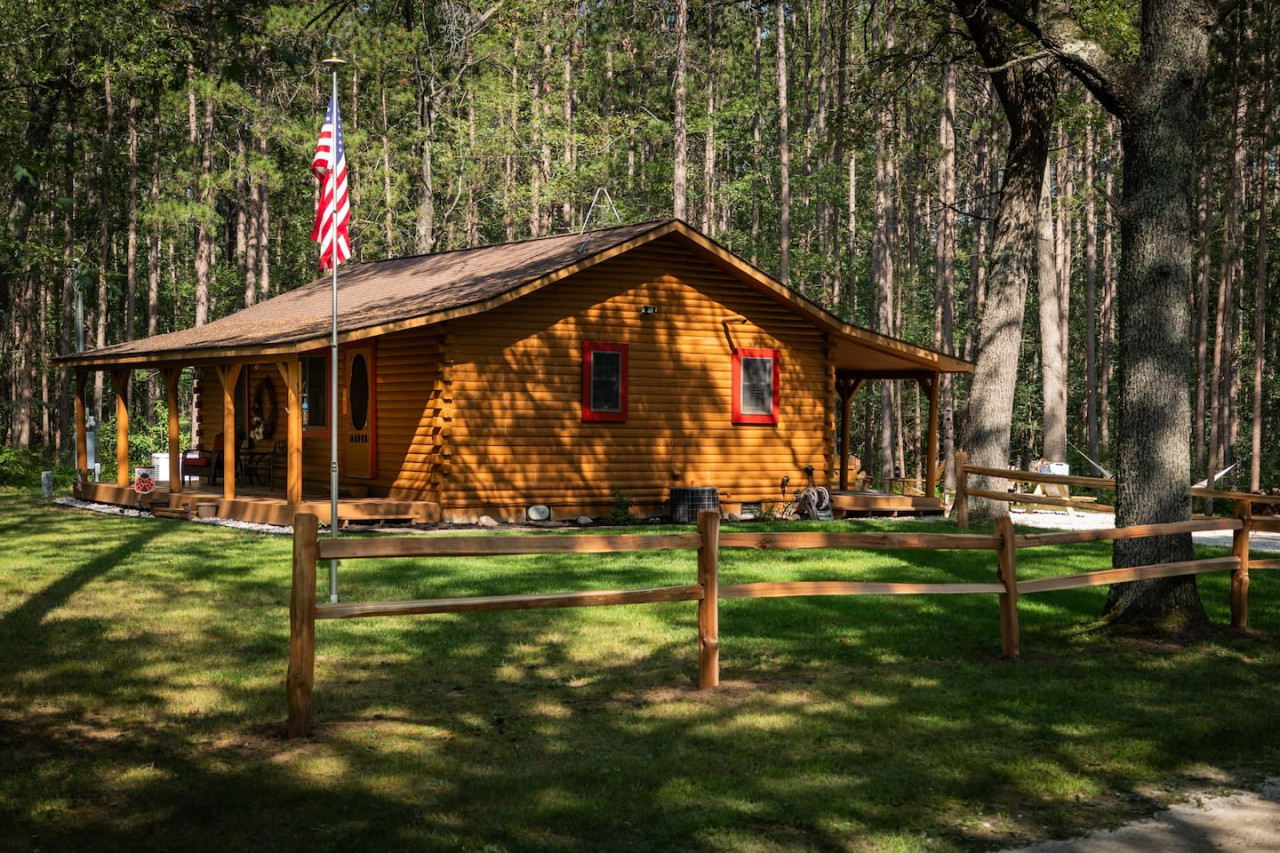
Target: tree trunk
(1053,368)
(1202,317)
(1260,276)
(1106,313)
(204,234)
(883,238)
(980,226)
(946,263)
(71,282)
(1028,92)
(103,306)
(153,243)
(784,154)
(756,189)
(131,238)
(1162,113)
(680,129)
(709,213)
(1090,295)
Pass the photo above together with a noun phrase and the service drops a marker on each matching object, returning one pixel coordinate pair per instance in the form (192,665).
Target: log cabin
(561,372)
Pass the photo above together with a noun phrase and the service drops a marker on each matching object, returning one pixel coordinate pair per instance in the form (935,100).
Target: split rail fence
(1062,484)
(309,549)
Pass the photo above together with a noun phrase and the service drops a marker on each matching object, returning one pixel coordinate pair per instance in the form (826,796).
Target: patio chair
(198,462)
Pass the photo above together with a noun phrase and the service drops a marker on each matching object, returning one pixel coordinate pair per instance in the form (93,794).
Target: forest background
(157,153)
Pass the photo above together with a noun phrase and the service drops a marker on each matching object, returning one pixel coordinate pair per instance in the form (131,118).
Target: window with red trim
(604,381)
(755,386)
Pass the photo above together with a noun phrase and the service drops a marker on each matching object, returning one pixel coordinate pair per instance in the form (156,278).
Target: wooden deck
(262,506)
(881,503)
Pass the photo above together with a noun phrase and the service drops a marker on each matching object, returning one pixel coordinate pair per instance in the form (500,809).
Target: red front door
(359,421)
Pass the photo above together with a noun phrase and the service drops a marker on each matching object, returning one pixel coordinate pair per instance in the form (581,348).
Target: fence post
(961,507)
(709,606)
(1007,574)
(1240,574)
(302,625)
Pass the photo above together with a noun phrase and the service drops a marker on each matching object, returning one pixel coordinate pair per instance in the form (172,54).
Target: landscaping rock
(486,521)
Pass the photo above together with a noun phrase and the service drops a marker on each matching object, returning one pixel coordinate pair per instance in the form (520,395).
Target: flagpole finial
(333,61)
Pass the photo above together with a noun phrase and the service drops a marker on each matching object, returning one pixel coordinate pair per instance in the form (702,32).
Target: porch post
(228,376)
(170,375)
(845,389)
(292,373)
(931,451)
(82,430)
(842,391)
(120,379)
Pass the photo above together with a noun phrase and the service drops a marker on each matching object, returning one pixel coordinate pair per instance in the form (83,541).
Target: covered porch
(228,373)
(237,479)
(859,360)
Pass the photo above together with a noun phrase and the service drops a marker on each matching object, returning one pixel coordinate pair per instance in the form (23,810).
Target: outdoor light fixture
(648,309)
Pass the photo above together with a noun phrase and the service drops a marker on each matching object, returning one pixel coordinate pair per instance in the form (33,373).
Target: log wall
(516,435)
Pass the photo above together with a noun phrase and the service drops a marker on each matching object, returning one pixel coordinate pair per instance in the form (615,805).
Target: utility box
(687,500)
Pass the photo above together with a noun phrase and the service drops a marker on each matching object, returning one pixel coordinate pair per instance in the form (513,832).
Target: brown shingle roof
(373,294)
(382,296)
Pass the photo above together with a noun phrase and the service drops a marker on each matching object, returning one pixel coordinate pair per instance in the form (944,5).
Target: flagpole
(333,63)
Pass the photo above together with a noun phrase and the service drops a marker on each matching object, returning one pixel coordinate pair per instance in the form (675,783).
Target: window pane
(606,381)
(757,386)
(359,393)
(315,408)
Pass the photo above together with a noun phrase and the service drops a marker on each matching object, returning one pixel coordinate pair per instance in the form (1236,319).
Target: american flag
(331,230)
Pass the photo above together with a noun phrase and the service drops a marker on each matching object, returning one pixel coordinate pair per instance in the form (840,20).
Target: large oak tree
(1157,94)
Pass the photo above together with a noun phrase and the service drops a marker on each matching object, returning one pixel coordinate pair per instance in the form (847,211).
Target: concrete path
(1246,822)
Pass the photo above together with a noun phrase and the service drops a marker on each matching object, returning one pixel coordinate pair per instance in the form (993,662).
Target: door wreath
(264,411)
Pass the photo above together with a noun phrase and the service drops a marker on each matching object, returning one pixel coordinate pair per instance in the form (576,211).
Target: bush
(22,468)
(621,513)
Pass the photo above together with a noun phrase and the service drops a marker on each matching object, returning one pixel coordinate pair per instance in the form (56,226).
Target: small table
(250,462)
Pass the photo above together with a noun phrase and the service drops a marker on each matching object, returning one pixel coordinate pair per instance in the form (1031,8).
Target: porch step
(180,512)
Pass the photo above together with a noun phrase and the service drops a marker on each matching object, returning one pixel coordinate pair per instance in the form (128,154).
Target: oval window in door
(359,392)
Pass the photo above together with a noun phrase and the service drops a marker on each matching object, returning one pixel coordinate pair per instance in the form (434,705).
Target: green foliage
(19,467)
(622,507)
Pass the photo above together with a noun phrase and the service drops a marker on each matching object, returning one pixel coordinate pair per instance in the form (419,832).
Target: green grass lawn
(142,703)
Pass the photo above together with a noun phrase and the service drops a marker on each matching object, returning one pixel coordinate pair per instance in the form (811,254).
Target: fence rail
(308,549)
(1064,482)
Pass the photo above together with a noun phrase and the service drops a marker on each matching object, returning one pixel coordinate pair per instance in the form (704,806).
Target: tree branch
(1040,54)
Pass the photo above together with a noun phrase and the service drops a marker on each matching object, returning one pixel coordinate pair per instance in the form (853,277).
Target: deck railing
(706,542)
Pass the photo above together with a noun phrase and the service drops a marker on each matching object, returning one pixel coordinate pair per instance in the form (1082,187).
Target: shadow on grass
(844,723)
